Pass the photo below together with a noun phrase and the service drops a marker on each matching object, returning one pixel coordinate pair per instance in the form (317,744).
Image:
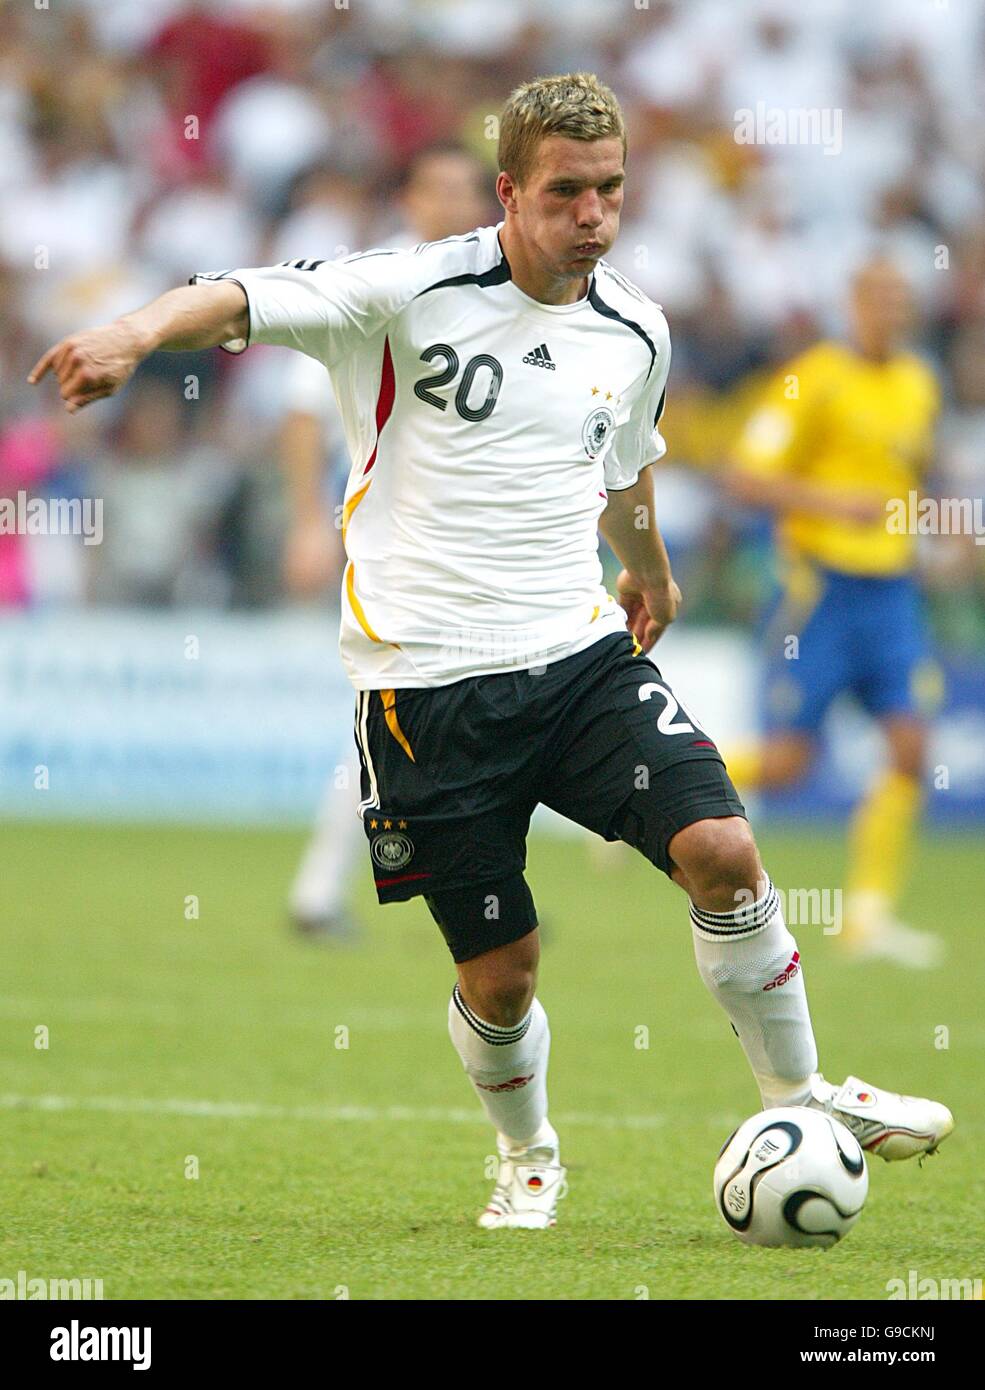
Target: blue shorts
(829,633)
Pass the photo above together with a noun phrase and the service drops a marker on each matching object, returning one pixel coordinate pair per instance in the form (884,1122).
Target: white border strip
(362,736)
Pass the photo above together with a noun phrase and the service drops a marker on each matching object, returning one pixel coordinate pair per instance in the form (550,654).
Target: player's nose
(589,211)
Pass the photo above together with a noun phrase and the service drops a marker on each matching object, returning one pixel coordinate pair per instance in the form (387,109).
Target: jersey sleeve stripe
(625,284)
(600,306)
(498,275)
(461,237)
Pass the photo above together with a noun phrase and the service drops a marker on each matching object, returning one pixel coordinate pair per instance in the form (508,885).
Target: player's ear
(506,190)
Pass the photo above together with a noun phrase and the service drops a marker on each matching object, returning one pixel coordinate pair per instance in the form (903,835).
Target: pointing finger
(42,365)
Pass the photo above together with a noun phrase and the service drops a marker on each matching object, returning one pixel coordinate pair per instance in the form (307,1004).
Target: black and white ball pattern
(791,1176)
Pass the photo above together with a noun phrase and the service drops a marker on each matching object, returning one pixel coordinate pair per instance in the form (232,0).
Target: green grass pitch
(327,1171)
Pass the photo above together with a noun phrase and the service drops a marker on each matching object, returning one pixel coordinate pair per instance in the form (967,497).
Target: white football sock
(336,844)
(751,965)
(508,1068)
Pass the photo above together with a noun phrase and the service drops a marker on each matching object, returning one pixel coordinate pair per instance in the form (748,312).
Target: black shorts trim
(463,915)
(680,795)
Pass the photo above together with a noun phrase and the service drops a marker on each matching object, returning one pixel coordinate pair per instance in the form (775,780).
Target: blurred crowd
(143,142)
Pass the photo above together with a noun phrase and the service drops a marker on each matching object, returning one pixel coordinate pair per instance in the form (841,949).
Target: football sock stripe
(746,920)
(490,1032)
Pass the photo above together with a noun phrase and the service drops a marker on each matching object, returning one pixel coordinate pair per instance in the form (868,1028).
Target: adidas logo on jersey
(540,357)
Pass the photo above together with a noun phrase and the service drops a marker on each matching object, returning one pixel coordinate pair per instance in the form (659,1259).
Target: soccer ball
(791,1176)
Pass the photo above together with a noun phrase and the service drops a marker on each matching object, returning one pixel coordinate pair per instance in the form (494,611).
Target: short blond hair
(576,104)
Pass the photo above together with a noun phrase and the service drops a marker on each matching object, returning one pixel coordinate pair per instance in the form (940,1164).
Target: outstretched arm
(98,361)
(647,590)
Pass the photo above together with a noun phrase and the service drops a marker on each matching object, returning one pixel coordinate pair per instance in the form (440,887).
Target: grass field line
(341,1114)
(325,1114)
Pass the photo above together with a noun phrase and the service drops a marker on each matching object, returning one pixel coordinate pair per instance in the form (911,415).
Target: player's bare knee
(786,761)
(679,877)
(720,861)
(500,985)
(908,749)
(910,765)
(503,998)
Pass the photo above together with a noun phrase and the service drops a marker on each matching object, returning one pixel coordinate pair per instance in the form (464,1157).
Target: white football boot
(531,1182)
(884,1123)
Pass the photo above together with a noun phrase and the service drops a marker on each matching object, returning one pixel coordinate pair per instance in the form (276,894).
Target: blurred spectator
(201,56)
(163,496)
(142,143)
(271,126)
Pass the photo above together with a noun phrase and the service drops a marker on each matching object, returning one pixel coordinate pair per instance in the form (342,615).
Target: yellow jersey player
(843,432)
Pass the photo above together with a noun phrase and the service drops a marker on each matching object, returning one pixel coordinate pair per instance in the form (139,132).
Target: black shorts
(451,776)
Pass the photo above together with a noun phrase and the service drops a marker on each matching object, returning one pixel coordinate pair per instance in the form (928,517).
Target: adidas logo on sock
(540,357)
(786,974)
(515,1083)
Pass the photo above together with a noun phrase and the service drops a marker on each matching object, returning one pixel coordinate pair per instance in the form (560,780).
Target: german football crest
(391,850)
(595,430)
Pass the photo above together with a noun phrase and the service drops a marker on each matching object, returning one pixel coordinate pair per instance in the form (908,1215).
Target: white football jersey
(485,431)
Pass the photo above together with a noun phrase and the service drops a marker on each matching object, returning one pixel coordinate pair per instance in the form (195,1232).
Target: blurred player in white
(501,394)
(443,194)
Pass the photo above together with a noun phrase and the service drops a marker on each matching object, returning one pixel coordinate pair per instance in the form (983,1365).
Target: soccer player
(843,430)
(500,393)
(442,194)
